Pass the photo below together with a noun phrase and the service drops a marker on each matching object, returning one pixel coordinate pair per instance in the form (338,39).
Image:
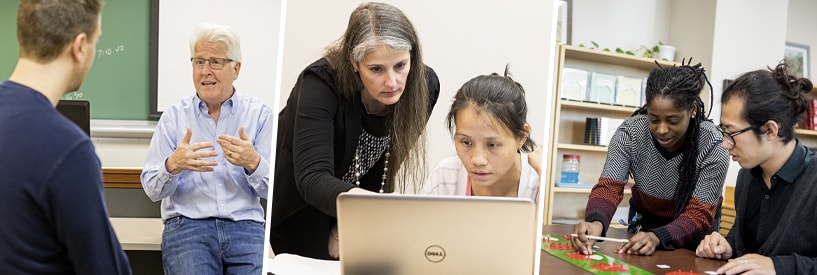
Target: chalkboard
(118,84)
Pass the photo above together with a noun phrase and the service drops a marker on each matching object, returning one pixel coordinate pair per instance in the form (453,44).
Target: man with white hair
(209,165)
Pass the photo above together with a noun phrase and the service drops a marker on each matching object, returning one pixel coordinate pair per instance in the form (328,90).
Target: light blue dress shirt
(226,192)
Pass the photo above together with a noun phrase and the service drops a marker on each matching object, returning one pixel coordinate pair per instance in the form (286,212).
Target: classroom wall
(744,43)
(477,39)
(692,25)
(121,152)
(695,27)
(725,35)
(255,21)
(460,41)
(627,24)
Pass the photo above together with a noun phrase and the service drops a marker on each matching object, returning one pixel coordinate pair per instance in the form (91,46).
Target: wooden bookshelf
(579,105)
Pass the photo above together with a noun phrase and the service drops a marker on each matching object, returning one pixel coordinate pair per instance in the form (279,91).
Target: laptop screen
(413,234)
(78,111)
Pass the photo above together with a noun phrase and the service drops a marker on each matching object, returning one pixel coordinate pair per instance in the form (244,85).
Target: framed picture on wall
(797,57)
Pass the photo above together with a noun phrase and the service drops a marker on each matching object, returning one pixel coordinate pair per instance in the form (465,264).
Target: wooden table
(679,259)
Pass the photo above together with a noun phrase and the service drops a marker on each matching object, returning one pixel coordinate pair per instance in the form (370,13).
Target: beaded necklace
(385,168)
(368,160)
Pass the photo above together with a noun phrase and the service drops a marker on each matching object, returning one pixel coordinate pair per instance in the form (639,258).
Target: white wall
(726,35)
(692,23)
(693,39)
(121,152)
(625,24)
(255,21)
(125,143)
(459,41)
(743,43)
(714,32)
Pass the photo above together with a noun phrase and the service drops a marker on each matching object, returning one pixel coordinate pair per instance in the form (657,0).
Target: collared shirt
(226,192)
(765,205)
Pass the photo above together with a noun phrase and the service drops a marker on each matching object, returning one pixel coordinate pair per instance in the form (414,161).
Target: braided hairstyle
(771,94)
(683,85)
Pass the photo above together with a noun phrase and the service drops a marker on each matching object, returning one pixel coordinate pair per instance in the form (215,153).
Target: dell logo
(435,254)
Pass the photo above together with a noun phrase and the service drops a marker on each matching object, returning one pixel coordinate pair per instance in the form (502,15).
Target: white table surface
(138,233)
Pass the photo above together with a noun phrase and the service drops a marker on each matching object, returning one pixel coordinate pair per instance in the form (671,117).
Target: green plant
(648,52)
(596,46)
(651,52)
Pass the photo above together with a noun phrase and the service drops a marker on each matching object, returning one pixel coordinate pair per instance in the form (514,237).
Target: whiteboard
(257,24)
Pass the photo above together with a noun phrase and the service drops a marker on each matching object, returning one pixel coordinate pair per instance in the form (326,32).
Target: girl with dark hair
(491,135)
(354,122)
(672,152)
(775,190)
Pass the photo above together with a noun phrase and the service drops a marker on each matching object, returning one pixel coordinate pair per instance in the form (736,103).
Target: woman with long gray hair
(354,122)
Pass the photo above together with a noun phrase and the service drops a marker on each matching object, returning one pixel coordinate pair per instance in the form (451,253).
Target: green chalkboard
(118,84)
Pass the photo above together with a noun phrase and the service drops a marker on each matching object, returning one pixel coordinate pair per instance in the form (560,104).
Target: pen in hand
(602,238)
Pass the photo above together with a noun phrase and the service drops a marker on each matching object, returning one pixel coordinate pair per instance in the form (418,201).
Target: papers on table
(291,264)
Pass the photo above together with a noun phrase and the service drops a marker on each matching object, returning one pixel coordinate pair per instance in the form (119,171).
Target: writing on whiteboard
(109,51)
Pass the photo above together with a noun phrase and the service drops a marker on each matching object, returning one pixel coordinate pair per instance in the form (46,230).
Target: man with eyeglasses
(209,165)
(776,189)
(729,137)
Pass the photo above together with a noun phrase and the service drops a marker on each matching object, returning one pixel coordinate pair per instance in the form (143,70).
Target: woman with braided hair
(775,191)
(673,153)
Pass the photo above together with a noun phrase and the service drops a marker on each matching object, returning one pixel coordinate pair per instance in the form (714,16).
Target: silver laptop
(413,234)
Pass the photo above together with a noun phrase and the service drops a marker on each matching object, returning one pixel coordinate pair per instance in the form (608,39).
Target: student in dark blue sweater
(51,203)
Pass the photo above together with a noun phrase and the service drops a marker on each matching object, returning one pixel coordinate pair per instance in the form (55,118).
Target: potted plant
(658,51)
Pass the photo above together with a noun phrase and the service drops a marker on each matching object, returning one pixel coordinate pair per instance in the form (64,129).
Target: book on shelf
(608,127)
(643,91)
(574,84)
(628,91)
(599,130)
(812,114)
(602,88)
(591,131)
(808,120)
(565,220)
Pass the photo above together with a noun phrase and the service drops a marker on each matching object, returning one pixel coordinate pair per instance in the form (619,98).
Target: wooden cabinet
(122,178)
(567,204)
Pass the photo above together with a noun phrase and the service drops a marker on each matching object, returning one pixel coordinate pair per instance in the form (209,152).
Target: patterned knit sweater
(633,151)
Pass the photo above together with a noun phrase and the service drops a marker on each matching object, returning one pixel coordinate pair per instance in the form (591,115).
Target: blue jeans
(212,246)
